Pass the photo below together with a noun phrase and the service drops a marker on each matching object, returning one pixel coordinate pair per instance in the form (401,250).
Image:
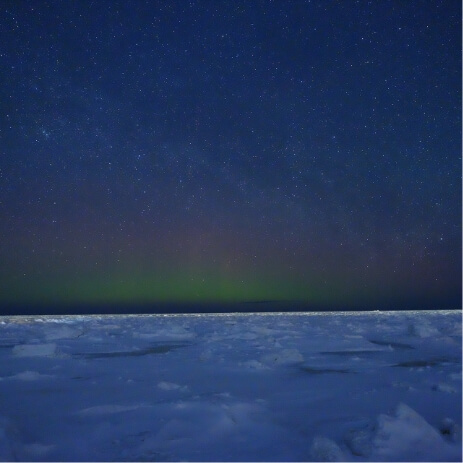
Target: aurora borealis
(231,151)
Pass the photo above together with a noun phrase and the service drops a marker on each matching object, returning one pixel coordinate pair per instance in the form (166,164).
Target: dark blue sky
(223,151)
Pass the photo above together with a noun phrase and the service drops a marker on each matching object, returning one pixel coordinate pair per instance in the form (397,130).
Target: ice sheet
(373,386)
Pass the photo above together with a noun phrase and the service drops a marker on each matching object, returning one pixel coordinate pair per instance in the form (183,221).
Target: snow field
(288,387)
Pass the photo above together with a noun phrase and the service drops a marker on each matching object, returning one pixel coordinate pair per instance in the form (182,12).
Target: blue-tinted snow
(373,386)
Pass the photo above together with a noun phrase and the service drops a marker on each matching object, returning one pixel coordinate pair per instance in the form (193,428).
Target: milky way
(226,151)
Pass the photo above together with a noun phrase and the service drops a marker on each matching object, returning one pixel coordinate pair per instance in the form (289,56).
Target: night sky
(228,151)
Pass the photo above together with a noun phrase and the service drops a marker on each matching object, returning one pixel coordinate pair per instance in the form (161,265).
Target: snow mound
(165,386)
(324,449)
(106,410)
(29,376)
(34,350)
(408,436)
(423,329)
(254,365)
(284,356)
(443,387)
(55,332)
(202,430)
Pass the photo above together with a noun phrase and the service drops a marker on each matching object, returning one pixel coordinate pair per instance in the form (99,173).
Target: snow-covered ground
(370,386)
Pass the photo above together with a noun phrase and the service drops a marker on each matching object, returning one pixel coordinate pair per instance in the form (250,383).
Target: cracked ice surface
(372,386)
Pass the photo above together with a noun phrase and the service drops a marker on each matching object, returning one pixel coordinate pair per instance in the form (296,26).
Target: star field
(217,151)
